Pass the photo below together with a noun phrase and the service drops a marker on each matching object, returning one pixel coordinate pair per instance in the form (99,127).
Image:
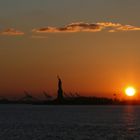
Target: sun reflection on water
(129,117)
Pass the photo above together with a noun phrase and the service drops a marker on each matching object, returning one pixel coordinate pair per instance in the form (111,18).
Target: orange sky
(94,49)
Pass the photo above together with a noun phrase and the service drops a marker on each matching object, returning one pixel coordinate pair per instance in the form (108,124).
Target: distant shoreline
(74,101)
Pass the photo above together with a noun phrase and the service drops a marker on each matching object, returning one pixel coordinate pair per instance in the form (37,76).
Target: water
(27,122)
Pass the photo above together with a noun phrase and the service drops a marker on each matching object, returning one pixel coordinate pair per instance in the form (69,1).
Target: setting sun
(130,91)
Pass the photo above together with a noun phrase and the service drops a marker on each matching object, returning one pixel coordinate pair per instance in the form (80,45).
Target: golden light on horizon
(130,91)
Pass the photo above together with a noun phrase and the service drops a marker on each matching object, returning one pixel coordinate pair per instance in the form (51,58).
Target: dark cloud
(87,27)
(73,27)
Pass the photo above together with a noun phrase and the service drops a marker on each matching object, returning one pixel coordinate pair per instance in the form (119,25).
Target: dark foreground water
(27,122)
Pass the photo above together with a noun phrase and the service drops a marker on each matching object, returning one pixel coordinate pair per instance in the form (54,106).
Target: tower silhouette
(60,90)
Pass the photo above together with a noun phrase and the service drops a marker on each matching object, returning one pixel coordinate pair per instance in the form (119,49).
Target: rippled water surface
(30,122)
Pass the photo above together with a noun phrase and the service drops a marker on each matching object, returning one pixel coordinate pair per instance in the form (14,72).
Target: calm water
(27,122)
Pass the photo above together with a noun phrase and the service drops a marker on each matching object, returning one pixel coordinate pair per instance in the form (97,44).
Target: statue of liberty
(60,90)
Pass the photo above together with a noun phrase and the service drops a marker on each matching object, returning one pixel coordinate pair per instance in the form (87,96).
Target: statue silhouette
(60,90)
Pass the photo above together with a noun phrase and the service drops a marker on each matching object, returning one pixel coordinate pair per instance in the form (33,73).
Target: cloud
(128,28)
(109,24)
(87,27)
(73,27)
(125,28)
(12,32)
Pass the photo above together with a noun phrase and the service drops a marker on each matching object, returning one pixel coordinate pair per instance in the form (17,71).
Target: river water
(31,122)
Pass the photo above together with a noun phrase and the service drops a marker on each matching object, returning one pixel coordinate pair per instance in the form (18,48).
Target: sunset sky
(93,45)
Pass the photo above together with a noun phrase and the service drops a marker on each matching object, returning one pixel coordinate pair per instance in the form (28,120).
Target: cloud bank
(73,28)
(87,27)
